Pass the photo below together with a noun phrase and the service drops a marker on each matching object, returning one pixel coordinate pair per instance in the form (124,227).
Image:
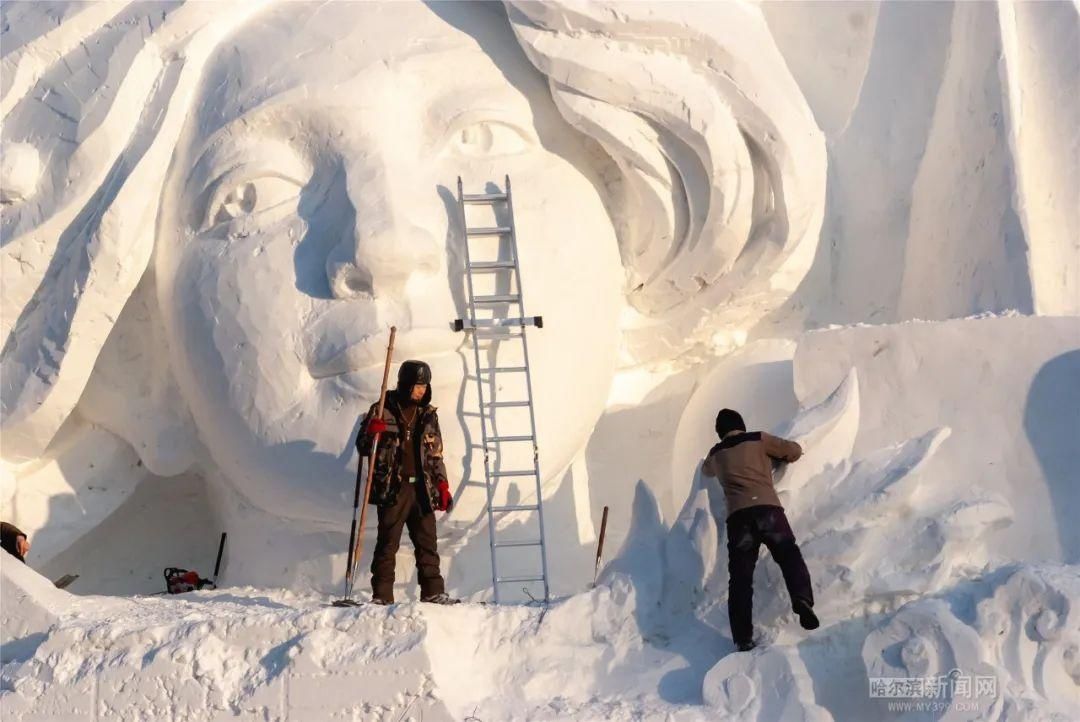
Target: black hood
(409,374)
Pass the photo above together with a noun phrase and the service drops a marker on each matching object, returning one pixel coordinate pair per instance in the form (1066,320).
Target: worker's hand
(446,502)
(22,544)
(376,426)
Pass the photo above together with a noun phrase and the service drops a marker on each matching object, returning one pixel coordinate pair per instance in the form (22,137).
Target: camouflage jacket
(428,452)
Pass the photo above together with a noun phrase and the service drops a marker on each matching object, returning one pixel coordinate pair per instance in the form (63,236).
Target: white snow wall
(953,134)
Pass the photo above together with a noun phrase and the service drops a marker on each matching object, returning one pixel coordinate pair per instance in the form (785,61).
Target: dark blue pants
(747,530)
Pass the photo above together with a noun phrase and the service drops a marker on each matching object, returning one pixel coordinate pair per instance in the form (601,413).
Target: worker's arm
(781,449)
(368,428)
(708,469)
(434,447)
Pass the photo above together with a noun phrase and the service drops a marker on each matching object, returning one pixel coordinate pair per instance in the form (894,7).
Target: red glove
(376,426)
(446,502)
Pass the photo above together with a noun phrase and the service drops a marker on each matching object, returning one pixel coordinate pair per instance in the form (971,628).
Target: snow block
(29,606)
(219,655)
(768,684)
(1007,387)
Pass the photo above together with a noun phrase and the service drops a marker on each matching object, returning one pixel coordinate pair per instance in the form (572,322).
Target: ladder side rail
(528,386)
(479,392)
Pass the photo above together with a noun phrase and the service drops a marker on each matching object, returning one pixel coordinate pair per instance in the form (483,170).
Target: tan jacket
(743,462)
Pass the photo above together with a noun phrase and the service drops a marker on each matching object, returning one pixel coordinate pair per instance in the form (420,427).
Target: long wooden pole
(356,533)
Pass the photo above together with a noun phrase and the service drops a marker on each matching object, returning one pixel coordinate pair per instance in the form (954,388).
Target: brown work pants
(405,512)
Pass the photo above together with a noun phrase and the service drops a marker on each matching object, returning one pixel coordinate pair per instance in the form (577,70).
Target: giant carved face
(289,180)
(317,210)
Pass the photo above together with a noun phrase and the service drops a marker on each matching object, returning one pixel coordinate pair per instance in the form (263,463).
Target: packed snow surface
(254,654)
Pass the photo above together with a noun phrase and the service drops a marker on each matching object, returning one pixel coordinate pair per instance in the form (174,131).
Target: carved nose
(380,257)
(387,241)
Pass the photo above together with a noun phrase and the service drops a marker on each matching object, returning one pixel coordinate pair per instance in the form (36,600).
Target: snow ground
(275,655)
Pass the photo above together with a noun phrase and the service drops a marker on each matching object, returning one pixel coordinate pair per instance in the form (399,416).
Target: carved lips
(370,352)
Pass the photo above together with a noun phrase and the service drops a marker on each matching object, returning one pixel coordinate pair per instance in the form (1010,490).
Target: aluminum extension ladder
(497,329)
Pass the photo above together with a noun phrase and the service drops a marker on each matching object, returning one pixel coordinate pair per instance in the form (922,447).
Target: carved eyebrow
(500,100)
(232,137)
(220,157)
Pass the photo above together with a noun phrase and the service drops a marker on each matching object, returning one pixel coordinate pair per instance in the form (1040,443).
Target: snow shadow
(21,649)
(164,522)
(667,570)
(1052,425)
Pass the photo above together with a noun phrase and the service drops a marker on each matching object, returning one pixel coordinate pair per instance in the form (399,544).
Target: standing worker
(409,483)
(744,463)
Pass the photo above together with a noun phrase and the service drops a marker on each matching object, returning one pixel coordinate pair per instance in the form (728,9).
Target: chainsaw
(178,581)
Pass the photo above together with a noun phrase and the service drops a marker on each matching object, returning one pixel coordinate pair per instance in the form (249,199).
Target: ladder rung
(488,323)
(528,543)
(492,231)
(497,439)
(498,298)
(516,507)
(503,369)
(490,265)
(493,325)
(530,472)
(483,197)
(505,404)
(511,580)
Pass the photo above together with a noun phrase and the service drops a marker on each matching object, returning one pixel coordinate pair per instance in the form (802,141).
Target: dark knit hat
(729,420)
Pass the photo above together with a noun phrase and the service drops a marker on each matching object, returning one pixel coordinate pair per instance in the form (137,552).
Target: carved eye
(488,138)
(250,197)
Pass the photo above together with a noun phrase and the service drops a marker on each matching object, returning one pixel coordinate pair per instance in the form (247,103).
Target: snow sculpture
(235,204)
(847,511)
(925,642)
(873,537)
(1017,657)
(212,211)
(850,511)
